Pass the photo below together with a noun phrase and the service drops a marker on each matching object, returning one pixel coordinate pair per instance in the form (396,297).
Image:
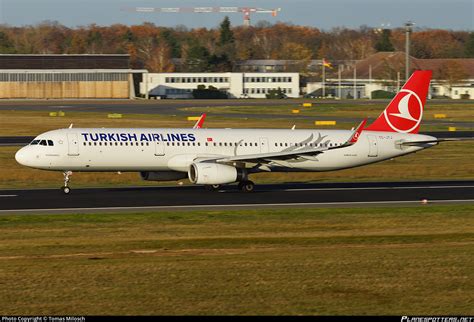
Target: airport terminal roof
(55,61)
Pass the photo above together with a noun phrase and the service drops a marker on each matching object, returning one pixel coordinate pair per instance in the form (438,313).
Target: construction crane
(246,11)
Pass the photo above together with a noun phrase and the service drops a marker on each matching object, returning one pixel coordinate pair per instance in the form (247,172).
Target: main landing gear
(246,186)
(213,187)
(65,188)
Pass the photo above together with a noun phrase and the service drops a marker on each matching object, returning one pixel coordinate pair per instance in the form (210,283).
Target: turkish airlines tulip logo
(405,116)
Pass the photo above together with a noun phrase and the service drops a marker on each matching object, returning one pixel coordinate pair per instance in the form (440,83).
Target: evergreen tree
(172,42)
(198,59)
(224,55)
(6,45)
(226,35)
(384,43)
(470,46)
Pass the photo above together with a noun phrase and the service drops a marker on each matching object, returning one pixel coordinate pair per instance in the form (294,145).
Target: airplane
(215,157)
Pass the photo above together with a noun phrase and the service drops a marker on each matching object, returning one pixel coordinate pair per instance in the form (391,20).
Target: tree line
(201,49)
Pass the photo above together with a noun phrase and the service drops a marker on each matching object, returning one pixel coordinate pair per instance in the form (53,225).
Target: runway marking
(7,196)
(377,188)
(244,205)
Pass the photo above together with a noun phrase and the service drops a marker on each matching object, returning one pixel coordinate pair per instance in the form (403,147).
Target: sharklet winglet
(200,122)
(355,136)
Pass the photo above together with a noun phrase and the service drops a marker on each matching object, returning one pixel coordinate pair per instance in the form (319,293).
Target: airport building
(66,77)
(237,85)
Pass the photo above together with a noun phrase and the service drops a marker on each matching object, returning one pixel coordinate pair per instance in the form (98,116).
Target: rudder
(404,113)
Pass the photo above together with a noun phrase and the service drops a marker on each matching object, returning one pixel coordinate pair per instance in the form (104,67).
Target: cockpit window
(42,142)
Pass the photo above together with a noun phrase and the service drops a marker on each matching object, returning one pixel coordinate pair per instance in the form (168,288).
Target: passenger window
(100,143)
(220,143)
(245,143)
(199,144)
(84,143)
(214,143)
(207,144)
(225,143)
(90,143)
(95,143)
(194,143)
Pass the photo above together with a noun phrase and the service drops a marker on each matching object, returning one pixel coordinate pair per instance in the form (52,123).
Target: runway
(297,195)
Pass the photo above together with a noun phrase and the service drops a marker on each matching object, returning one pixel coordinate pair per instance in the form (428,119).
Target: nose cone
(21,157)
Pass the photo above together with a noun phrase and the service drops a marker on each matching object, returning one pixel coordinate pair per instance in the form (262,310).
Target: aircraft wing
(287,155)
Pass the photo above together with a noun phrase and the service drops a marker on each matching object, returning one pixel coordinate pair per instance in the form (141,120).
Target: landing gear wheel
(246,186)
(65,188)
(213,187)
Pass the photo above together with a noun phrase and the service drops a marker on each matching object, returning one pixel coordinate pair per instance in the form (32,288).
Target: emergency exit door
(73,144)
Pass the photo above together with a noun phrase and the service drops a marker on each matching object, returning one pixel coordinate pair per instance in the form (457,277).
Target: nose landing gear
(65,188)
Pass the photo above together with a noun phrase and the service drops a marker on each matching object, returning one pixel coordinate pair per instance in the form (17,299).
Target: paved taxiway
(265,196)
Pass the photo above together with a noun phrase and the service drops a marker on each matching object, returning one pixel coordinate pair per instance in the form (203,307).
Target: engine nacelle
(213,173)
(162,175)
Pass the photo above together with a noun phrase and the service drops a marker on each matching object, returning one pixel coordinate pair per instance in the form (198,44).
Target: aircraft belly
(112,162)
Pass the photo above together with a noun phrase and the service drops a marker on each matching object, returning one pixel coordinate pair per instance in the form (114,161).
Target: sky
(327,14)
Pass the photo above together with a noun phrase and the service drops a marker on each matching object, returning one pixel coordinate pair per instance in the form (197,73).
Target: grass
(395,261)
(28,123)
(454,111)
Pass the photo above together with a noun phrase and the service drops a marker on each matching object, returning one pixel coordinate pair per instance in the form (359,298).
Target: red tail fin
(405,111)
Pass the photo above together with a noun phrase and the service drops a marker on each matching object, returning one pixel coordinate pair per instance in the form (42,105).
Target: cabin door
(73,144)
(373,147)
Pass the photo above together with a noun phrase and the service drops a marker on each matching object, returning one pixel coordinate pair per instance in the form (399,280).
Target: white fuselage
(83,149)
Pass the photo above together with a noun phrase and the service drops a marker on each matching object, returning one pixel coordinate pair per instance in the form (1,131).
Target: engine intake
(213,173)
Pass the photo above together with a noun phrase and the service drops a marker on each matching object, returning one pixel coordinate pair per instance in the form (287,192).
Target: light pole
(408,29)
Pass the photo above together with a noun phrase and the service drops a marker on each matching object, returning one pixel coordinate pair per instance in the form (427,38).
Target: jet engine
(213,173)
(162,175)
